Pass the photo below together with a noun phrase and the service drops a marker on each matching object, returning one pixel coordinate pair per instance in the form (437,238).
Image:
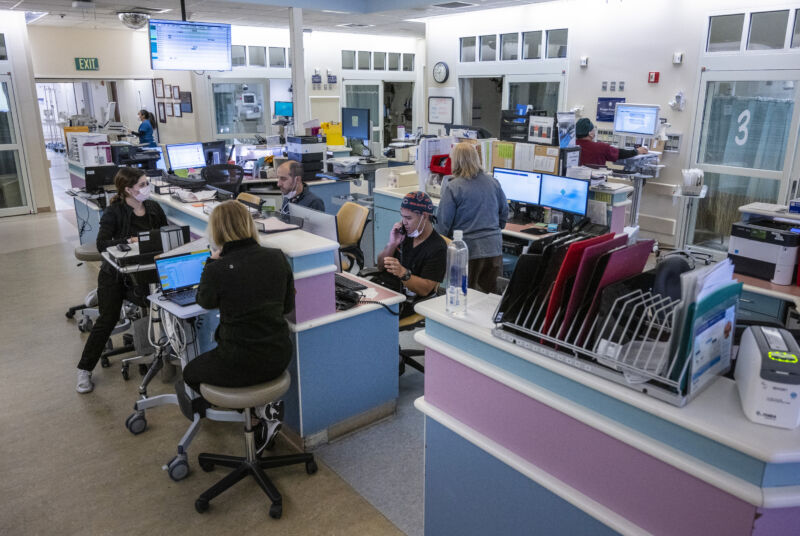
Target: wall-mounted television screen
(190,46)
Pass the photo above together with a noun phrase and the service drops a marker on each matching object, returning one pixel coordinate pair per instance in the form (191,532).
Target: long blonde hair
(465,161)
(230,221)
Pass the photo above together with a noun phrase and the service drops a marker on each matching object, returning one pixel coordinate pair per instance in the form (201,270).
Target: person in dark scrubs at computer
(146,126)
(294,190)
(597,153)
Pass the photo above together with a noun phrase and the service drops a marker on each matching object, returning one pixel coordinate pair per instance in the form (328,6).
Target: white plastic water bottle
(457,267)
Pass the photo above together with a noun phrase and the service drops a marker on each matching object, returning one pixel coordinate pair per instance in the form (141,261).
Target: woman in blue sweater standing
(474,202)
(145,132)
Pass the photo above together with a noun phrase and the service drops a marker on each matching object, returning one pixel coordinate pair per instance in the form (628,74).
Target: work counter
(517,442)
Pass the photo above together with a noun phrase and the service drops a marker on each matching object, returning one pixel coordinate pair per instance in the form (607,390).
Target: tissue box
(794,206)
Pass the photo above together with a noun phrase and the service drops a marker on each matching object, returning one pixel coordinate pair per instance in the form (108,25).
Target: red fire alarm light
(652,77)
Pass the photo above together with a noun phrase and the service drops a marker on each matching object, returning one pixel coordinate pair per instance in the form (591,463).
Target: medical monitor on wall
(519,186)
(636,119)
(186,156)
(189,46)
(284,109)
(355,123)
(564,194)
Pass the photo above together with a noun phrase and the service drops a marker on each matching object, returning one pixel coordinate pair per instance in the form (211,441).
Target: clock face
(440,72)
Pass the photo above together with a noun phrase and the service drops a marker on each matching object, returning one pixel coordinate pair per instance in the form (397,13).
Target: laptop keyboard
(185,297)
(349,284)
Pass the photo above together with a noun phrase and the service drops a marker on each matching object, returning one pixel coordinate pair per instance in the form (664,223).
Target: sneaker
(267,432)
(85,384)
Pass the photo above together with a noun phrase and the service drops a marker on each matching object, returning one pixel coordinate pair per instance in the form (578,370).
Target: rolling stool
(246,398)
(86,253)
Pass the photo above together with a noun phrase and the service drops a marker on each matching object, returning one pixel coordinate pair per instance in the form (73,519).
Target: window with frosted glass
(379,61)
(725,32)
(257,56)
(509,46)
(467,49)
(238,56)
(348,59)
(488,47)
(277,57)
(796,33)
(532,45)
(408,62)
(364,60)
(767,30)
(557,43)
(394,61)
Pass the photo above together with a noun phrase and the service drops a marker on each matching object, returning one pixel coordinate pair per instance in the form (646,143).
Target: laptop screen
(181,271)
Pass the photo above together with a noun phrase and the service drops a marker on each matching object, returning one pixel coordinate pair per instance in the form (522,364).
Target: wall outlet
(612,86)
(621,85)
(604,86)
(584,61)
(677,58)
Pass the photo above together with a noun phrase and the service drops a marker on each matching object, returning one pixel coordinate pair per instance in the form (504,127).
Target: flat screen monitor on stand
(566,195)
(639,120)
(318,223)
(184,156)
(215,152)
(521,188)
(356,125)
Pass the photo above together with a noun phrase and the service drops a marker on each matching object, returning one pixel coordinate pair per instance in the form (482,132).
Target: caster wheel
(125,375)
(311,467)
(70,314)
(85,325)
(206,466)
(136,423)
(275,511)
(104,362)
(143,369)
(201,505)
(178,468)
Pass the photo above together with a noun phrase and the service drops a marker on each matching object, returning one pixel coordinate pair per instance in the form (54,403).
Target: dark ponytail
(147,115)
(126,177)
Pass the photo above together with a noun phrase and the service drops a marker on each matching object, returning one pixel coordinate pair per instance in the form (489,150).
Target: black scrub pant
(483,273)
(112,289)
(214,368)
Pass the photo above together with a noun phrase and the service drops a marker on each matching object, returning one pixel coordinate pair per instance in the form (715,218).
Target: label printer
(766,249)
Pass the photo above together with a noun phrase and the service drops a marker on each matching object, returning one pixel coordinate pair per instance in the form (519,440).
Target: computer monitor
(355,123)
(519,186)
(186,156)
(284,109)
(215,152)
(99,176)
(564,194)
(318,223)
(636,119)
(161,163)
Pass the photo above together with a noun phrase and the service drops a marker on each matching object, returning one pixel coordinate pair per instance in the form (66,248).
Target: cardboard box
(503,154)
(545,159)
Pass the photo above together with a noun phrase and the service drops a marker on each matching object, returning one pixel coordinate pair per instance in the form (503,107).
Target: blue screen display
(284,109)
(181,271)
(565,194)
(355,123)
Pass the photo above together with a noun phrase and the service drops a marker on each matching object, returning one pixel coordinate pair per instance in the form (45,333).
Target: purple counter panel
(315,297)
(76,181)
(648,492)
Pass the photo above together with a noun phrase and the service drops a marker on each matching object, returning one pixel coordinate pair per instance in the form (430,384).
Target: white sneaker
(85,384)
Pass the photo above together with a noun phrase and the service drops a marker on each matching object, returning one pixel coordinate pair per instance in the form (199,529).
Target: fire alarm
(652,77)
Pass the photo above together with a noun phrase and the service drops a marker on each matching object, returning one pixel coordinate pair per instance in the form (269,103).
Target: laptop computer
(180,274)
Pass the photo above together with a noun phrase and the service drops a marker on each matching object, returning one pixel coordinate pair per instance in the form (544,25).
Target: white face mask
(419,229)
(143,194)
(293,193)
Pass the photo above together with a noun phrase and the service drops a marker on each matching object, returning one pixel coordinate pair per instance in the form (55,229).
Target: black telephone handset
(124,247)
(346,298)
(402,230)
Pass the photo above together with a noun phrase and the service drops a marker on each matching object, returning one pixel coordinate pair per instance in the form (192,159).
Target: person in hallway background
(597,153)
(474,202)
(129,212)
(294,190)
(146,126)
(415,258)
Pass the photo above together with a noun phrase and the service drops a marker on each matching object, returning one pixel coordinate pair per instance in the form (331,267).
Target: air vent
(354,25)
(453,5)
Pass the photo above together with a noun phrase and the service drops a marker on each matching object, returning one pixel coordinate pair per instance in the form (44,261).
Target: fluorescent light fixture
(33,16)
(334,11)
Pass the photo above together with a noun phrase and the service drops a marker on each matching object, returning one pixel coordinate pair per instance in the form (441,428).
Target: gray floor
(69,466)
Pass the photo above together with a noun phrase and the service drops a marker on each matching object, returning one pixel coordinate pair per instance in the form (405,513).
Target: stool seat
(410,321)
(246,397)
(88,252)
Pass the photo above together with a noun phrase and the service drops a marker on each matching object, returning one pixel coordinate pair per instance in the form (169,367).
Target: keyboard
(535,230)
(349,284)
(184,182)
(184,297)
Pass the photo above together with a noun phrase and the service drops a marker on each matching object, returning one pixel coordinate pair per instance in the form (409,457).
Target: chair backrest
(250,200)
(351,220)
(226,176)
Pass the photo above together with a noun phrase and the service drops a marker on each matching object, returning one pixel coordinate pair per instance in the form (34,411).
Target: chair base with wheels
(247,398)
(410,323)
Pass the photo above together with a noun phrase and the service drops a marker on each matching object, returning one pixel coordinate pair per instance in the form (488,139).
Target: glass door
(15,197)
(367,94)
(746,132)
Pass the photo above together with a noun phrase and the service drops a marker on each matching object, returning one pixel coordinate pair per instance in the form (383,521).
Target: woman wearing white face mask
(128,213)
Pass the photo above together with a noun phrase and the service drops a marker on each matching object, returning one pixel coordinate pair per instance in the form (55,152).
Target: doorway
(15,194)
(398,102)
(482,102)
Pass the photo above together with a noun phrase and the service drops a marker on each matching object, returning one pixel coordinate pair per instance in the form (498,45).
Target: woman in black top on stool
(129,212)
(253,288)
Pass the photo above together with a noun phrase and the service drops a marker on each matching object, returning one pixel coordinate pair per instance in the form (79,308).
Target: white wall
(624,41)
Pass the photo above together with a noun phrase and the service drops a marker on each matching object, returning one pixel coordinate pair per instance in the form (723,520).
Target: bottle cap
(458,235)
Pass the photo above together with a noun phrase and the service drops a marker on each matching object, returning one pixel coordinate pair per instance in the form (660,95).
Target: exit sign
(87,64)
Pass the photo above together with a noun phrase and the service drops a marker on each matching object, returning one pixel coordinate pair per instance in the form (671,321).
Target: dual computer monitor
(559,193)
(196,155)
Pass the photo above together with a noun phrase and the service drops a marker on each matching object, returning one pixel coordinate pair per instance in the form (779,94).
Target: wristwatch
(406,276)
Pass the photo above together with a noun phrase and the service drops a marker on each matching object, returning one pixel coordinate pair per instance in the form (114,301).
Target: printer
(768,376)
(766,249)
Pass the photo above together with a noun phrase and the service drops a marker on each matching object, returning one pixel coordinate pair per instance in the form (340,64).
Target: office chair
(250,200)
(225,176)
(247,398)
(351,220)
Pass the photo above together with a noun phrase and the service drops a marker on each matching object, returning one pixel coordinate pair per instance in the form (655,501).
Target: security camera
(244,87)
(133,20)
